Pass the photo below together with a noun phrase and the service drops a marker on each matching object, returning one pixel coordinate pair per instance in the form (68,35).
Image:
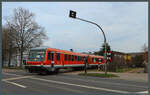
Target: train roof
(40,48)
(66,52)
(63,51)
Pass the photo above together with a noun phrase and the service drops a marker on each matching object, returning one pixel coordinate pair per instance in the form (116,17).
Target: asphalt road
(24,83)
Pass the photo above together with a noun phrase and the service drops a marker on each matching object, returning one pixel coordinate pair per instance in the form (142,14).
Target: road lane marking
(102,82)
(144,92)
(16,78)
(84,86)
(22,86)
(11,74)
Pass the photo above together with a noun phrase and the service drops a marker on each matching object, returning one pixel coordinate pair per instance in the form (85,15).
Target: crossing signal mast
(72,14)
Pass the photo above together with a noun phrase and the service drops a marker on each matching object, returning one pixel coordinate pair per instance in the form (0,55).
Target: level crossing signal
(108,56)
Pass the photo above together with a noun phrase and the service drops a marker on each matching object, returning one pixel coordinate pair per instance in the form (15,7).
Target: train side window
(81,58)
(72,57)
(65,57)
(78,58)
(69,57)
(99,60)
(49,57)
(93,59)
(96,59)
(52,56)
(58,56)
(90,59)
(102,60)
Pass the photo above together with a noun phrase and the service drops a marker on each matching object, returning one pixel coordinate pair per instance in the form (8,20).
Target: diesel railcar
(51,60)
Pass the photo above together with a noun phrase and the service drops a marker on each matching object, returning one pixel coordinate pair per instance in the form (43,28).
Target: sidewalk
(139,77)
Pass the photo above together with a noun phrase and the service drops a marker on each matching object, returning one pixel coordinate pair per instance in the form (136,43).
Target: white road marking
(101,82)
(84,86)
(16,78)
(143,92)
(15,84)
(11,74)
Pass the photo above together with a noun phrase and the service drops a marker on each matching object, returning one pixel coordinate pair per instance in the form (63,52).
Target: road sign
(72,14)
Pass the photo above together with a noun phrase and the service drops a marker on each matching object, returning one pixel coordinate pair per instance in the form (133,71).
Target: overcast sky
(125,24)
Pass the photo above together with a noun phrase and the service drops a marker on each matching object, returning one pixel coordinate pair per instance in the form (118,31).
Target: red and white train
(50,59)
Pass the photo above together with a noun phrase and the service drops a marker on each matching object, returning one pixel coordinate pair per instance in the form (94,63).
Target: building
(124,60)
(118,57)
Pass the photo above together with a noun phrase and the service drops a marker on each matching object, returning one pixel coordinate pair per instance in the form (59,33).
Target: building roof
(117,52)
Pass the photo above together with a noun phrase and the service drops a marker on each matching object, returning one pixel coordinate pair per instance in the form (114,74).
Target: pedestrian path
(139,77)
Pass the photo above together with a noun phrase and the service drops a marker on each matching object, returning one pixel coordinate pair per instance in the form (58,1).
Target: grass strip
(99,75)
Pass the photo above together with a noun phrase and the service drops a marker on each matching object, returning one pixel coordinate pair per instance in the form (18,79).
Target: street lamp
(72,14)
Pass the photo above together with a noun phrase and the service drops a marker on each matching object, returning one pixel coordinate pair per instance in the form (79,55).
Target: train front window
(36,55)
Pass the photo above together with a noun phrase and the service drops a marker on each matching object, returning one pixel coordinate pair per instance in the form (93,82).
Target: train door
(58,59)
(61,59)
(52,59)
(66,57)
(48,58)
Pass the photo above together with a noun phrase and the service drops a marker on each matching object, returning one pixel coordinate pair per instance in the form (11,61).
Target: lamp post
(72,14)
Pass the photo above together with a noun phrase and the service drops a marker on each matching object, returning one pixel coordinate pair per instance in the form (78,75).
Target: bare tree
(25,31)
(7,45)
(145,50)
(145,57)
